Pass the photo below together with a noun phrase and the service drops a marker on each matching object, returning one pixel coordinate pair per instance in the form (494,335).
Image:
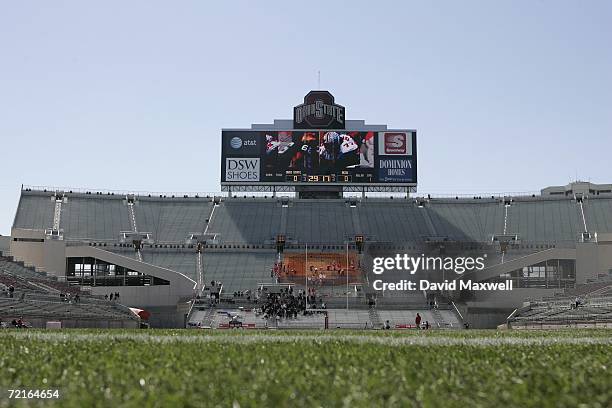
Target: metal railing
(259,194)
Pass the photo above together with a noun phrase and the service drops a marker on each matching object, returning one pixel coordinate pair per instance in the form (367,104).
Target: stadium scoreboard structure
(320,149)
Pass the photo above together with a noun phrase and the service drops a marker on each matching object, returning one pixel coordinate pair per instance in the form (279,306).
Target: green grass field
(169,368)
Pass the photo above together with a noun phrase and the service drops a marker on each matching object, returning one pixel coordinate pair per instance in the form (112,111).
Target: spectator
(387,325)
(111,297)
(418,320)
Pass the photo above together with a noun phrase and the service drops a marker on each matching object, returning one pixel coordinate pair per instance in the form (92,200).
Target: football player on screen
(366,151)
(306,158)
(337,152)
(280,148)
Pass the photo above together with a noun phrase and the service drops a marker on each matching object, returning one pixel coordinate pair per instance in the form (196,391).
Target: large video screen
(319,156)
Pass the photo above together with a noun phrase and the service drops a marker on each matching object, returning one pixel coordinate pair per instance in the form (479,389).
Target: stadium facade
(167,252)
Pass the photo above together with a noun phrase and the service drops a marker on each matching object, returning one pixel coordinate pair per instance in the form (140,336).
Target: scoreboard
(319,156)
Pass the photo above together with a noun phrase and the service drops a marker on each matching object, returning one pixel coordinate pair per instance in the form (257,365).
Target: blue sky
(506,96)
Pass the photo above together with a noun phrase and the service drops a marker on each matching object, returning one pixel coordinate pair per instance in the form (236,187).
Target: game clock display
(329,178)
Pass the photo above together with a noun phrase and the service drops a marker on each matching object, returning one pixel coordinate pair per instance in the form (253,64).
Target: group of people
(314,275)
(288,304)
(112,296)
(418,323)
(279,269)
(70,298)
(15,323)
(8,291)
(243,294)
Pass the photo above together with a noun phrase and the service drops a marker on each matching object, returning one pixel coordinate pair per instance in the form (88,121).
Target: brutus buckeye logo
(395,143)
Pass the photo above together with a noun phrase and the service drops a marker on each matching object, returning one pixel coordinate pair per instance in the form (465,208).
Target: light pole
(306,275)
(347,274)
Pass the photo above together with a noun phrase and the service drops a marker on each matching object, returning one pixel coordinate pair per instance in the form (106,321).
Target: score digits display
(320,178)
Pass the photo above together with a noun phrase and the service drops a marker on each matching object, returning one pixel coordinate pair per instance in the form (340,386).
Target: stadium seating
(587,304)
(545,221)
(255,221)
(37,296)
(473,221)
(94,219)
(597,214)
(172,221)
(246,221)
(35,211)
(243,253)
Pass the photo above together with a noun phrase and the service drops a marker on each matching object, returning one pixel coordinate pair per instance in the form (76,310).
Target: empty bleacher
(328,221)
(563,313)
(250,221)
(598,214)
(36,312)
(28,278)
(239,270)
(255,221)
(545,220)
(35,211)
(38,297)
(392,220)
(473,221)
(172,221)
(94,217)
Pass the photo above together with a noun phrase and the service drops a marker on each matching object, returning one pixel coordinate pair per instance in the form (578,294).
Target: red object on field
(405,326)
(143,314)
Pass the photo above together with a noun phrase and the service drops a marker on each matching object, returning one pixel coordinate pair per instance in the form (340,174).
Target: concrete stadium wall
(486,318)
(593,259)
(31,253)
(5,244)
(168,317)
(39,323)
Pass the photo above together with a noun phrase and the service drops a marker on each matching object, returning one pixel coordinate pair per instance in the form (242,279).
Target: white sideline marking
(322,338)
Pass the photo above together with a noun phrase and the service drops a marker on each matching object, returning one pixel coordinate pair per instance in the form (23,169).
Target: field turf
(172,368)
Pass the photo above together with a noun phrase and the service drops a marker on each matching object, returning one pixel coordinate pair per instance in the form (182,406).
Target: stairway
(209,318)
(374,318)
(57,213)
(440,319)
